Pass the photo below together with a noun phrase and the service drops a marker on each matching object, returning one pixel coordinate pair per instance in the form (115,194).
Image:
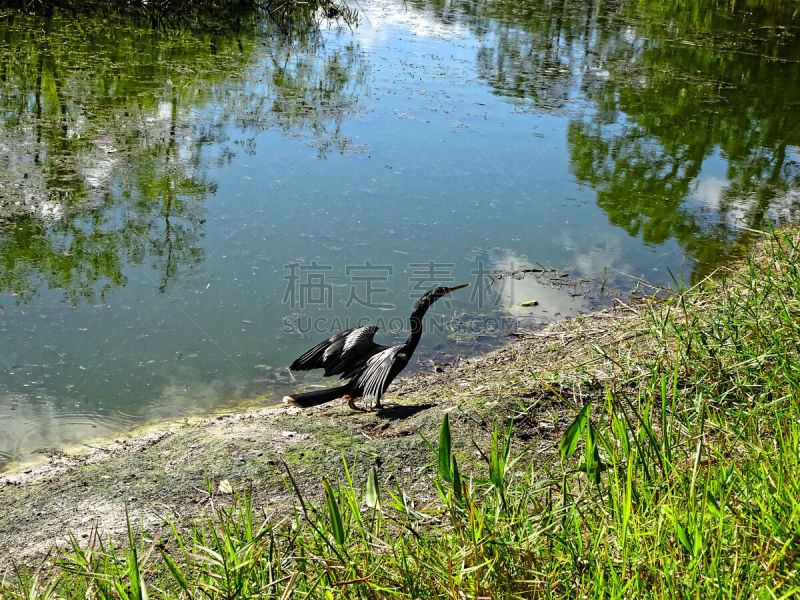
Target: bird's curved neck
(415,321)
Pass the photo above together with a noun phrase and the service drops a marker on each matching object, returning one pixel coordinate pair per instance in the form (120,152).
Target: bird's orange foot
(350,402)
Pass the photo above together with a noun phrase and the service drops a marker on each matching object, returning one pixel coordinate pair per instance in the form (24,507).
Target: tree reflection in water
(655,91)
(108,132)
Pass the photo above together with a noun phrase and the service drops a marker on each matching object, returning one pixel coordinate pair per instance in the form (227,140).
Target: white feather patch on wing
(335,347)
(374,378)
(359,335)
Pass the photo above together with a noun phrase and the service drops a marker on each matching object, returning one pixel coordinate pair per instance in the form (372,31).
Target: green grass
(678,479)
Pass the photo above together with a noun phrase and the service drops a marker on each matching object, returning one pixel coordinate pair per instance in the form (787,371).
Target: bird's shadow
(401,411)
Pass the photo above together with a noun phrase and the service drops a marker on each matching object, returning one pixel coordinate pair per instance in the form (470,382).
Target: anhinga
(353,355)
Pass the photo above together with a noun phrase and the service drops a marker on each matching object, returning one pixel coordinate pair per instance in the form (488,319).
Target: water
(181,215)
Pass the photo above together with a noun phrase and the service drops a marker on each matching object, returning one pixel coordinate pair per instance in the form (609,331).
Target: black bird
(353,355)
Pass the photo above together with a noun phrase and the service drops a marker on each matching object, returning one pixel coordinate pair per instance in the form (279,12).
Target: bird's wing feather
(379,372)
(315,358)
(355,349)
(359,336)
(342,353)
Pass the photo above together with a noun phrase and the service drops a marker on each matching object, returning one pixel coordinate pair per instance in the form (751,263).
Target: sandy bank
(168,473)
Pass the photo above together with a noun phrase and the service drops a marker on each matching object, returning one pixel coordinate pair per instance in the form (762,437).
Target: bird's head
(443,291)
(433,295)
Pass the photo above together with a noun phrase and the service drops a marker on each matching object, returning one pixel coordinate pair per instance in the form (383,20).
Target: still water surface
(181,215)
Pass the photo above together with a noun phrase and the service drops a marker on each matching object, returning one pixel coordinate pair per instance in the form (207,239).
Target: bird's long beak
(458,287)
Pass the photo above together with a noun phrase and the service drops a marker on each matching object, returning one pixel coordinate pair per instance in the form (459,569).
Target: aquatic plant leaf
(138,590)
(373,493)
(445,443)
(569,441)
(593,465)
(682,537)
(457,493)
(337,527)
(496,460)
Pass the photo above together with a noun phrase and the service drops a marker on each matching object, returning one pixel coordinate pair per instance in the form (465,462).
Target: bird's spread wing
(379,372)
(341,353)
(359,336)
(314,358)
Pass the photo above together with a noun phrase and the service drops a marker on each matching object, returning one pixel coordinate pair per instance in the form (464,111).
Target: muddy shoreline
(179,473)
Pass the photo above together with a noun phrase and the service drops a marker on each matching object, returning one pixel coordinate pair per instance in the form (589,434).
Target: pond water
(182,214)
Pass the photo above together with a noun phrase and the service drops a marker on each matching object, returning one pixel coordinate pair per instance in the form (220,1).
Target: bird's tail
(309,399)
